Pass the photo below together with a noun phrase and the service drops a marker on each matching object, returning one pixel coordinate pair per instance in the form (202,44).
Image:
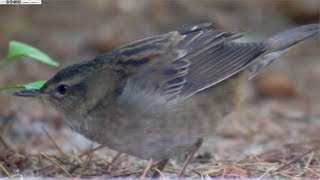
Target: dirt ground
(275,133)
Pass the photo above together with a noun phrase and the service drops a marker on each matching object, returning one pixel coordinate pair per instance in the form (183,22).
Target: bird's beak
(28,93)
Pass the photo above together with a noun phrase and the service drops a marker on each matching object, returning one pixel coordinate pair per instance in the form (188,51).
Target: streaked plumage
(156,97)
(185,62)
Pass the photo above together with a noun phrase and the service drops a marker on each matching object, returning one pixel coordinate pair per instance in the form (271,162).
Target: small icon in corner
(13,1)
(18,2)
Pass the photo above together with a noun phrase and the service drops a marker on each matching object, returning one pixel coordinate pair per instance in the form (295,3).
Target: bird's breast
(162,135)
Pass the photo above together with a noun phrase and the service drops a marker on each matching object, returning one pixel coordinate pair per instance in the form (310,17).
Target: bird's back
(179,85)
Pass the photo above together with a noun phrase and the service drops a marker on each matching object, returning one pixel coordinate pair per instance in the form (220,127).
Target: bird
(161,96)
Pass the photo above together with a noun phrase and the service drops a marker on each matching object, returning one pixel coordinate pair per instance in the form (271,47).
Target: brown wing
(179,64)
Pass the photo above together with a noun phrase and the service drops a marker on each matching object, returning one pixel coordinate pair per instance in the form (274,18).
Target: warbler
(160,96)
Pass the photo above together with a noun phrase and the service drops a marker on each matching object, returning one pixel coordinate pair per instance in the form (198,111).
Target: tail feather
(290,37)
(280,43)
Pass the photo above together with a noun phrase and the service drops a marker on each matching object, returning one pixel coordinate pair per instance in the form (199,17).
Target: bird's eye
(62,89)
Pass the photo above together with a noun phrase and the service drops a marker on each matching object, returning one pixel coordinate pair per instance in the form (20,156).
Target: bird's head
(74,90)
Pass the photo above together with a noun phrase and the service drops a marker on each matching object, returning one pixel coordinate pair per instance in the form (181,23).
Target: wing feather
(176,65)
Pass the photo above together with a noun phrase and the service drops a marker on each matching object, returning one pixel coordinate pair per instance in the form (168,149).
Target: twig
(53,141)
(44,171)
(146,169)
(188,160)
(286,175)
(50,167)
(313,172)
(155,165)
(255,164)
(306,165)
(296,159)
(72,169)
(54,162)
(160,168)
(113,161)
(5,170)
(77,166)
(239,165)
(300,174)
(125,174)
(309,160)
(266,173)
(255,157)
(196,172)
(160,173)
(64,162)
(85,165)
(224,173)
(208,172)
(91,150)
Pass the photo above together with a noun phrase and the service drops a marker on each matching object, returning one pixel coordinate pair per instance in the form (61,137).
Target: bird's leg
(190,156)
(160,168)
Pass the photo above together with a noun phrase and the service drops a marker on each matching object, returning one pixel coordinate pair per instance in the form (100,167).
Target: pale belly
(167,134)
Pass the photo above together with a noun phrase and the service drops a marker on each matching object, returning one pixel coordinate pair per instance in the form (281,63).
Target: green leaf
(31,85)
(19,49)
(34,85)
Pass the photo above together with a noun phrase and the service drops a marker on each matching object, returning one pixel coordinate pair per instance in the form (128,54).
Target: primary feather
(181,63)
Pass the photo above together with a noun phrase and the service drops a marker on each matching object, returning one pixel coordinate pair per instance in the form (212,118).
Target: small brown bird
(160,96)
